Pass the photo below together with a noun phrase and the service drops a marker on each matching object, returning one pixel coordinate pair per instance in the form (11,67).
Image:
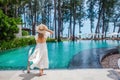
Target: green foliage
(18,20)
(51,40)
(13,8)
(20,42)
(8,27)
(24,33)
(17,42)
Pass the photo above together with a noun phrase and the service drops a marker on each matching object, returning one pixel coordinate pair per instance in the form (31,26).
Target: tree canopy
(57,13)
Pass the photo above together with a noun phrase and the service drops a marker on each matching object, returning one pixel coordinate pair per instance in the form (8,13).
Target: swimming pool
(60,53)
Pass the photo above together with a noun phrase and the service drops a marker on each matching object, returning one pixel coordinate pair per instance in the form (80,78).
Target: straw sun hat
(41,28)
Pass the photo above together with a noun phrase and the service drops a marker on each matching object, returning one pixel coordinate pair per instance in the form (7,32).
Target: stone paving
(62,74)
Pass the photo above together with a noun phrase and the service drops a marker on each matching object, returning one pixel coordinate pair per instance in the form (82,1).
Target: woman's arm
(51,32)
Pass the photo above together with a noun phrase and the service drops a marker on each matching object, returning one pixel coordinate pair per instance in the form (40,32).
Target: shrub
(20,42)
(17,42)
(24,33)
(51,40)
(8,27)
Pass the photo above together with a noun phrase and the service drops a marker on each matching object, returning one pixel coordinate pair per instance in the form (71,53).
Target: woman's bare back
(41,40)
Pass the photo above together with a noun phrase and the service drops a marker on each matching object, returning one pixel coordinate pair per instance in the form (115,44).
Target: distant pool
(60,53)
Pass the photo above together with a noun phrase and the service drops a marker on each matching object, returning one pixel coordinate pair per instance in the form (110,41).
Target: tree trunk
(59,20)
(55,18)
(106,28)
(68,32)
(6,9)
(24,18)
(74,21)
(44,14)
(103,21)
(34,24)
(15,14)
(91,23)
(70,25)
(32,19)
(49,16)
(114,26)
(35,17)
(79,28)
(62,28)
(103,28)
(97,30)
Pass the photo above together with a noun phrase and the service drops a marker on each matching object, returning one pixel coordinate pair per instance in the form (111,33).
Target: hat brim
(41,28)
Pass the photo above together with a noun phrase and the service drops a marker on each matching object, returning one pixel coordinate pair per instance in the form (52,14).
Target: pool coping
(73,74)
(110,51)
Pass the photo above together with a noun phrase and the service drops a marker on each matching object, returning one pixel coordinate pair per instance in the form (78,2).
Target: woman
(40,54)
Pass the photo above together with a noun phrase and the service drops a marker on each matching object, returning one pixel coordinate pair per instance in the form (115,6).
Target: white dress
(40,55)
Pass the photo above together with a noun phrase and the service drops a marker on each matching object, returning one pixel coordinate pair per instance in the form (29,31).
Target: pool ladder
(28,62)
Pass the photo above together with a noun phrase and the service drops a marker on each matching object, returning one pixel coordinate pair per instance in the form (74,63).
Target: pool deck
(64,74)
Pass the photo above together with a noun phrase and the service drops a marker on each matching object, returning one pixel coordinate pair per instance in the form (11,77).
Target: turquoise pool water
(60,53)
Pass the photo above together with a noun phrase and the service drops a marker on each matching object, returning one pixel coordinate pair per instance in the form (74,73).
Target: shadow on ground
(29,76)
(114,75)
